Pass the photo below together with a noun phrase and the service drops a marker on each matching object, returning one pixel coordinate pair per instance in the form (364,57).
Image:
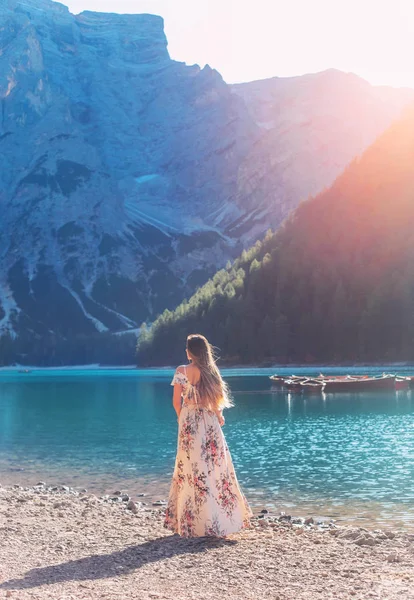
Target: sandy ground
(66,545)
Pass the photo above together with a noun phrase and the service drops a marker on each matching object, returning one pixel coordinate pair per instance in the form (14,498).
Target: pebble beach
(65,544)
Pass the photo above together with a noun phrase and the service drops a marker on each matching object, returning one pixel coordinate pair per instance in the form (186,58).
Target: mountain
(312,127)
(118,166)
(335,283)
(127,178)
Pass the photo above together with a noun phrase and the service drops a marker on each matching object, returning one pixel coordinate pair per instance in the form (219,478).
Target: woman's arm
(177,399)
(220,417)
(178,381)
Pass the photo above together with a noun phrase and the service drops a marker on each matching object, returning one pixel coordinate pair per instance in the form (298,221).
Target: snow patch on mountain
(98,325)
(146,178)
(9,308)
(128,178)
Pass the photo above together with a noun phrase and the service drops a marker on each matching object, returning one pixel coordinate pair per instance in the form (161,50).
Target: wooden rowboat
(312,386)
(342,383)
(278,382)
(402,383)
(292,385)
(385,382)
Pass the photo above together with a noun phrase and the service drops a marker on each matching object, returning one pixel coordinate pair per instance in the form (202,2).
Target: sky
(255,39)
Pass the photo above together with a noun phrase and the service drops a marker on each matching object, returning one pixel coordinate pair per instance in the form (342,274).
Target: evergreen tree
(335,283)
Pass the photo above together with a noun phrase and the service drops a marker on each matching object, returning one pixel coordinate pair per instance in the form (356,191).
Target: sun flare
(245,41)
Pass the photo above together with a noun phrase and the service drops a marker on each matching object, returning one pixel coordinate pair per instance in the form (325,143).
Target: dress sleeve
(179,378)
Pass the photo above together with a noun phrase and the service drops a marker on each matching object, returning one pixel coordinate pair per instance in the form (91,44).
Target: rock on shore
(62,544)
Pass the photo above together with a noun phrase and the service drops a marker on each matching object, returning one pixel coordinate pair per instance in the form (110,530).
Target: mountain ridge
(334,284)
(129,178)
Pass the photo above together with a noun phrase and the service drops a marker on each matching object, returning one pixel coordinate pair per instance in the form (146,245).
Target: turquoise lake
(346,456)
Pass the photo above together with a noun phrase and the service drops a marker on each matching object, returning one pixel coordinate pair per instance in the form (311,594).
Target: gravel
(61,544)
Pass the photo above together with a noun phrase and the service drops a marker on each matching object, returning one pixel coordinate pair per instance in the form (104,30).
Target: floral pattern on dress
(205,497)
(189,391)
(187,519)
(187,434)
(226,495)
(212,452)
(180,475)
(198,481)
(170,516)
(213,527)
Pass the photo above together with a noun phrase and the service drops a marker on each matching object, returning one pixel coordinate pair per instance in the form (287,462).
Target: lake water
(346,456)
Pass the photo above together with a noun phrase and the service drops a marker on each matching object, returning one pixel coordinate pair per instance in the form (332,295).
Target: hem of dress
(245,525)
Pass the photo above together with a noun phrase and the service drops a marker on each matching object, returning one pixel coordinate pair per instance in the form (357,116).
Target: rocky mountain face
(312,126)
(128,178)
(335,283)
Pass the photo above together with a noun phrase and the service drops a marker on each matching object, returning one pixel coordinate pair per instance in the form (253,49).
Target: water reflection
(348,454)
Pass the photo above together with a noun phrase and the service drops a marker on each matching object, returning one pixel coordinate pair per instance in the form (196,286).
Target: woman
(205,497)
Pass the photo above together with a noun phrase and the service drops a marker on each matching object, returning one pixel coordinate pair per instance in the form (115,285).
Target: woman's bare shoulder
(193,373)
(191,370)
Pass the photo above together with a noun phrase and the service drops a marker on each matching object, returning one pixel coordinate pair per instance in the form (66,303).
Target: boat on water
(410,379)
(292,386)
(278,380)
(402,383)
(312,387)
(341,383)
(366,384)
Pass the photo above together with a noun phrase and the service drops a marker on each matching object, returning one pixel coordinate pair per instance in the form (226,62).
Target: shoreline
(61,543)
(368,515)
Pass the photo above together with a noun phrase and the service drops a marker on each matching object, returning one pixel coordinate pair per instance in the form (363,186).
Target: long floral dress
(205,498)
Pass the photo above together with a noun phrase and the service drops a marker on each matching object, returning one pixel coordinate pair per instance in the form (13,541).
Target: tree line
(334,284)
(57,350)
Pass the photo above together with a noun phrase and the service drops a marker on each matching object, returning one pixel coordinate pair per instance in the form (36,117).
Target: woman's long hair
(213,392)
